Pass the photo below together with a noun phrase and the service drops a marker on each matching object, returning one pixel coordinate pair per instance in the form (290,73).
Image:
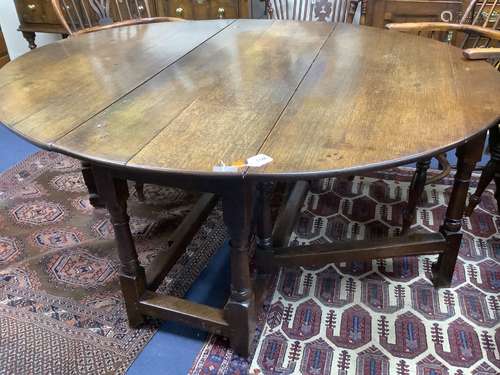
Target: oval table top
(319,98)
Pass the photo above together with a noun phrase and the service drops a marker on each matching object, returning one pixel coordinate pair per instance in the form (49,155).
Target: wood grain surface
(316,97)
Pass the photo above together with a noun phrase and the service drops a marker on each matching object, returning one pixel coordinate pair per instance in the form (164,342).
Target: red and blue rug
(61,307)
(381,317)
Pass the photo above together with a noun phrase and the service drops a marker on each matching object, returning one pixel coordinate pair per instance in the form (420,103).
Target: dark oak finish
(93,120)
(345,251)
(400,113)
(240,308)
(230,89)
(322,99)
(147,50)
(468,155)
(114,192)
(181,310)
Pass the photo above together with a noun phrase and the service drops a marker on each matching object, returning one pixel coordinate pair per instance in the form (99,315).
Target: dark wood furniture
(204,9)
(4,55)
(173,112)
(37,16)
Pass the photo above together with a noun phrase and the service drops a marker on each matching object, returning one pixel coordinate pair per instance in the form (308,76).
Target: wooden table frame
(193,94)
(239,195)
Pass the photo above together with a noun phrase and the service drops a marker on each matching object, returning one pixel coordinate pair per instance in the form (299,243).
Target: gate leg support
(240,308)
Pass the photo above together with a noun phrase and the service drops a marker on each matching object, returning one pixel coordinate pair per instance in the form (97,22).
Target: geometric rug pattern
(61,307)
(379,317)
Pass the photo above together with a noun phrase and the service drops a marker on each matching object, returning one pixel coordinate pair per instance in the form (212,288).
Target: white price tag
(259,160)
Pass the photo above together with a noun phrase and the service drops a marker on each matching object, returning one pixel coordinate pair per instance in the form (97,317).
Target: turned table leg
(240,308)
(468,155)
(132,276)
(30,38)
(491,171)
(88,177)
(415,193)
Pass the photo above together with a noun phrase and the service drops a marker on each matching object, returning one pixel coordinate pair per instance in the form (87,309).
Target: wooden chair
(477,32)
(86,16)
(310,10)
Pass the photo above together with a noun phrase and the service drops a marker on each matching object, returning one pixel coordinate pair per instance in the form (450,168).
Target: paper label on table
(259,160)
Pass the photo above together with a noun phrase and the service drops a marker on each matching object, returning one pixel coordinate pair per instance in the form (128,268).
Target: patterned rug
(381,317)
(61,309)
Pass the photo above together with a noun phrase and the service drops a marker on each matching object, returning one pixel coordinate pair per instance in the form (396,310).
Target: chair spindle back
(312,10)
(483,13)
(78,15)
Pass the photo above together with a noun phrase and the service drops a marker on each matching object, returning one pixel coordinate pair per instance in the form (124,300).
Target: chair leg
(486,177)
(88,177)
(497,184)
(415,193)
(490,172)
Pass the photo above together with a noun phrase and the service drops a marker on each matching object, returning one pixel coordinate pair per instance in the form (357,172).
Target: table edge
(251,174)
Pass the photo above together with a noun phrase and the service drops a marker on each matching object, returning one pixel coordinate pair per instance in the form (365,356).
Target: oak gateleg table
(164,103)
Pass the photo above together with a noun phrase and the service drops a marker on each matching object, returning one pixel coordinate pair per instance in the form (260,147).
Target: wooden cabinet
(36,11)
(204,9)
(37,16)
(381,12)
(4,56)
